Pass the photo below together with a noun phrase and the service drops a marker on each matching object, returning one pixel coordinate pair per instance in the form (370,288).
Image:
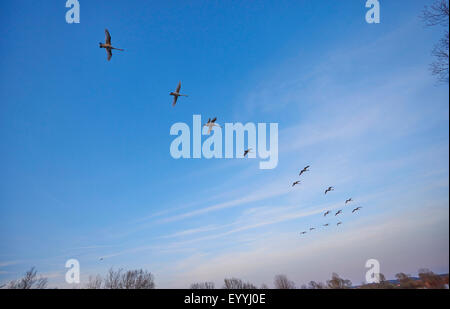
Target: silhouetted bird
(306,169)
(326,213)
(356,209)
(311,229)
(247,151)
(303,233)
(348,201)
(108,45)
(329,189)
(339,212)
(296,183)
(326,224)
(339,223)
(177,94)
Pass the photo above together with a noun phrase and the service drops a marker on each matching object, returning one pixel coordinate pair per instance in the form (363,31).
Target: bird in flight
(326,224)
(306,169)
(211,124)
(303,233)
(339,212)
(326,213)
(329,189)
(356,209)
(348,201)
(177,94)
(247,151)
(296,183)
(101,259)
(107,45)
(311,229)
(339,223)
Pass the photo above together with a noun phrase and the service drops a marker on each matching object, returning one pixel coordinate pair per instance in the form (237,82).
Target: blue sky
(85,161)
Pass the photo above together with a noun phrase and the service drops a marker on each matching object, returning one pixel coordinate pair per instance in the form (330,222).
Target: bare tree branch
(440,66)
(202,286)
(132,279)
(29,281)
(337,282)
(238,284)
(95,282)
(283,283)
(437,14)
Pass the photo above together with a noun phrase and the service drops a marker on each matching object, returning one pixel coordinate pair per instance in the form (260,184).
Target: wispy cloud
(350,248)
(9,263)
(188,232)
(253,197)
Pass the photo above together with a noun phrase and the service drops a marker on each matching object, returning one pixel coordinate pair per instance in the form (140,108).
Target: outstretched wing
(175,99)
(108,51)
(178,87)
(107,37)
(214,120)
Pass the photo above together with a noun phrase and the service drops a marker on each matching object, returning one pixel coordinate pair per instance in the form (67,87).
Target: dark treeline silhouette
(238,284)
(202,286)
(120,279)
(281,282)
(427,280)
(142,279)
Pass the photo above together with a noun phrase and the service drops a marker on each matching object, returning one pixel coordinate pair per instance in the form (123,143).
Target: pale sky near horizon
(86,166)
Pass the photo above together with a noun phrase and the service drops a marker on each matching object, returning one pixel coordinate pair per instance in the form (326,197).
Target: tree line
(142,279)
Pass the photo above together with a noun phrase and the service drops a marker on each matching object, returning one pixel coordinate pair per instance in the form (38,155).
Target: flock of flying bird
(212,123)
(329,189)
(176,94)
